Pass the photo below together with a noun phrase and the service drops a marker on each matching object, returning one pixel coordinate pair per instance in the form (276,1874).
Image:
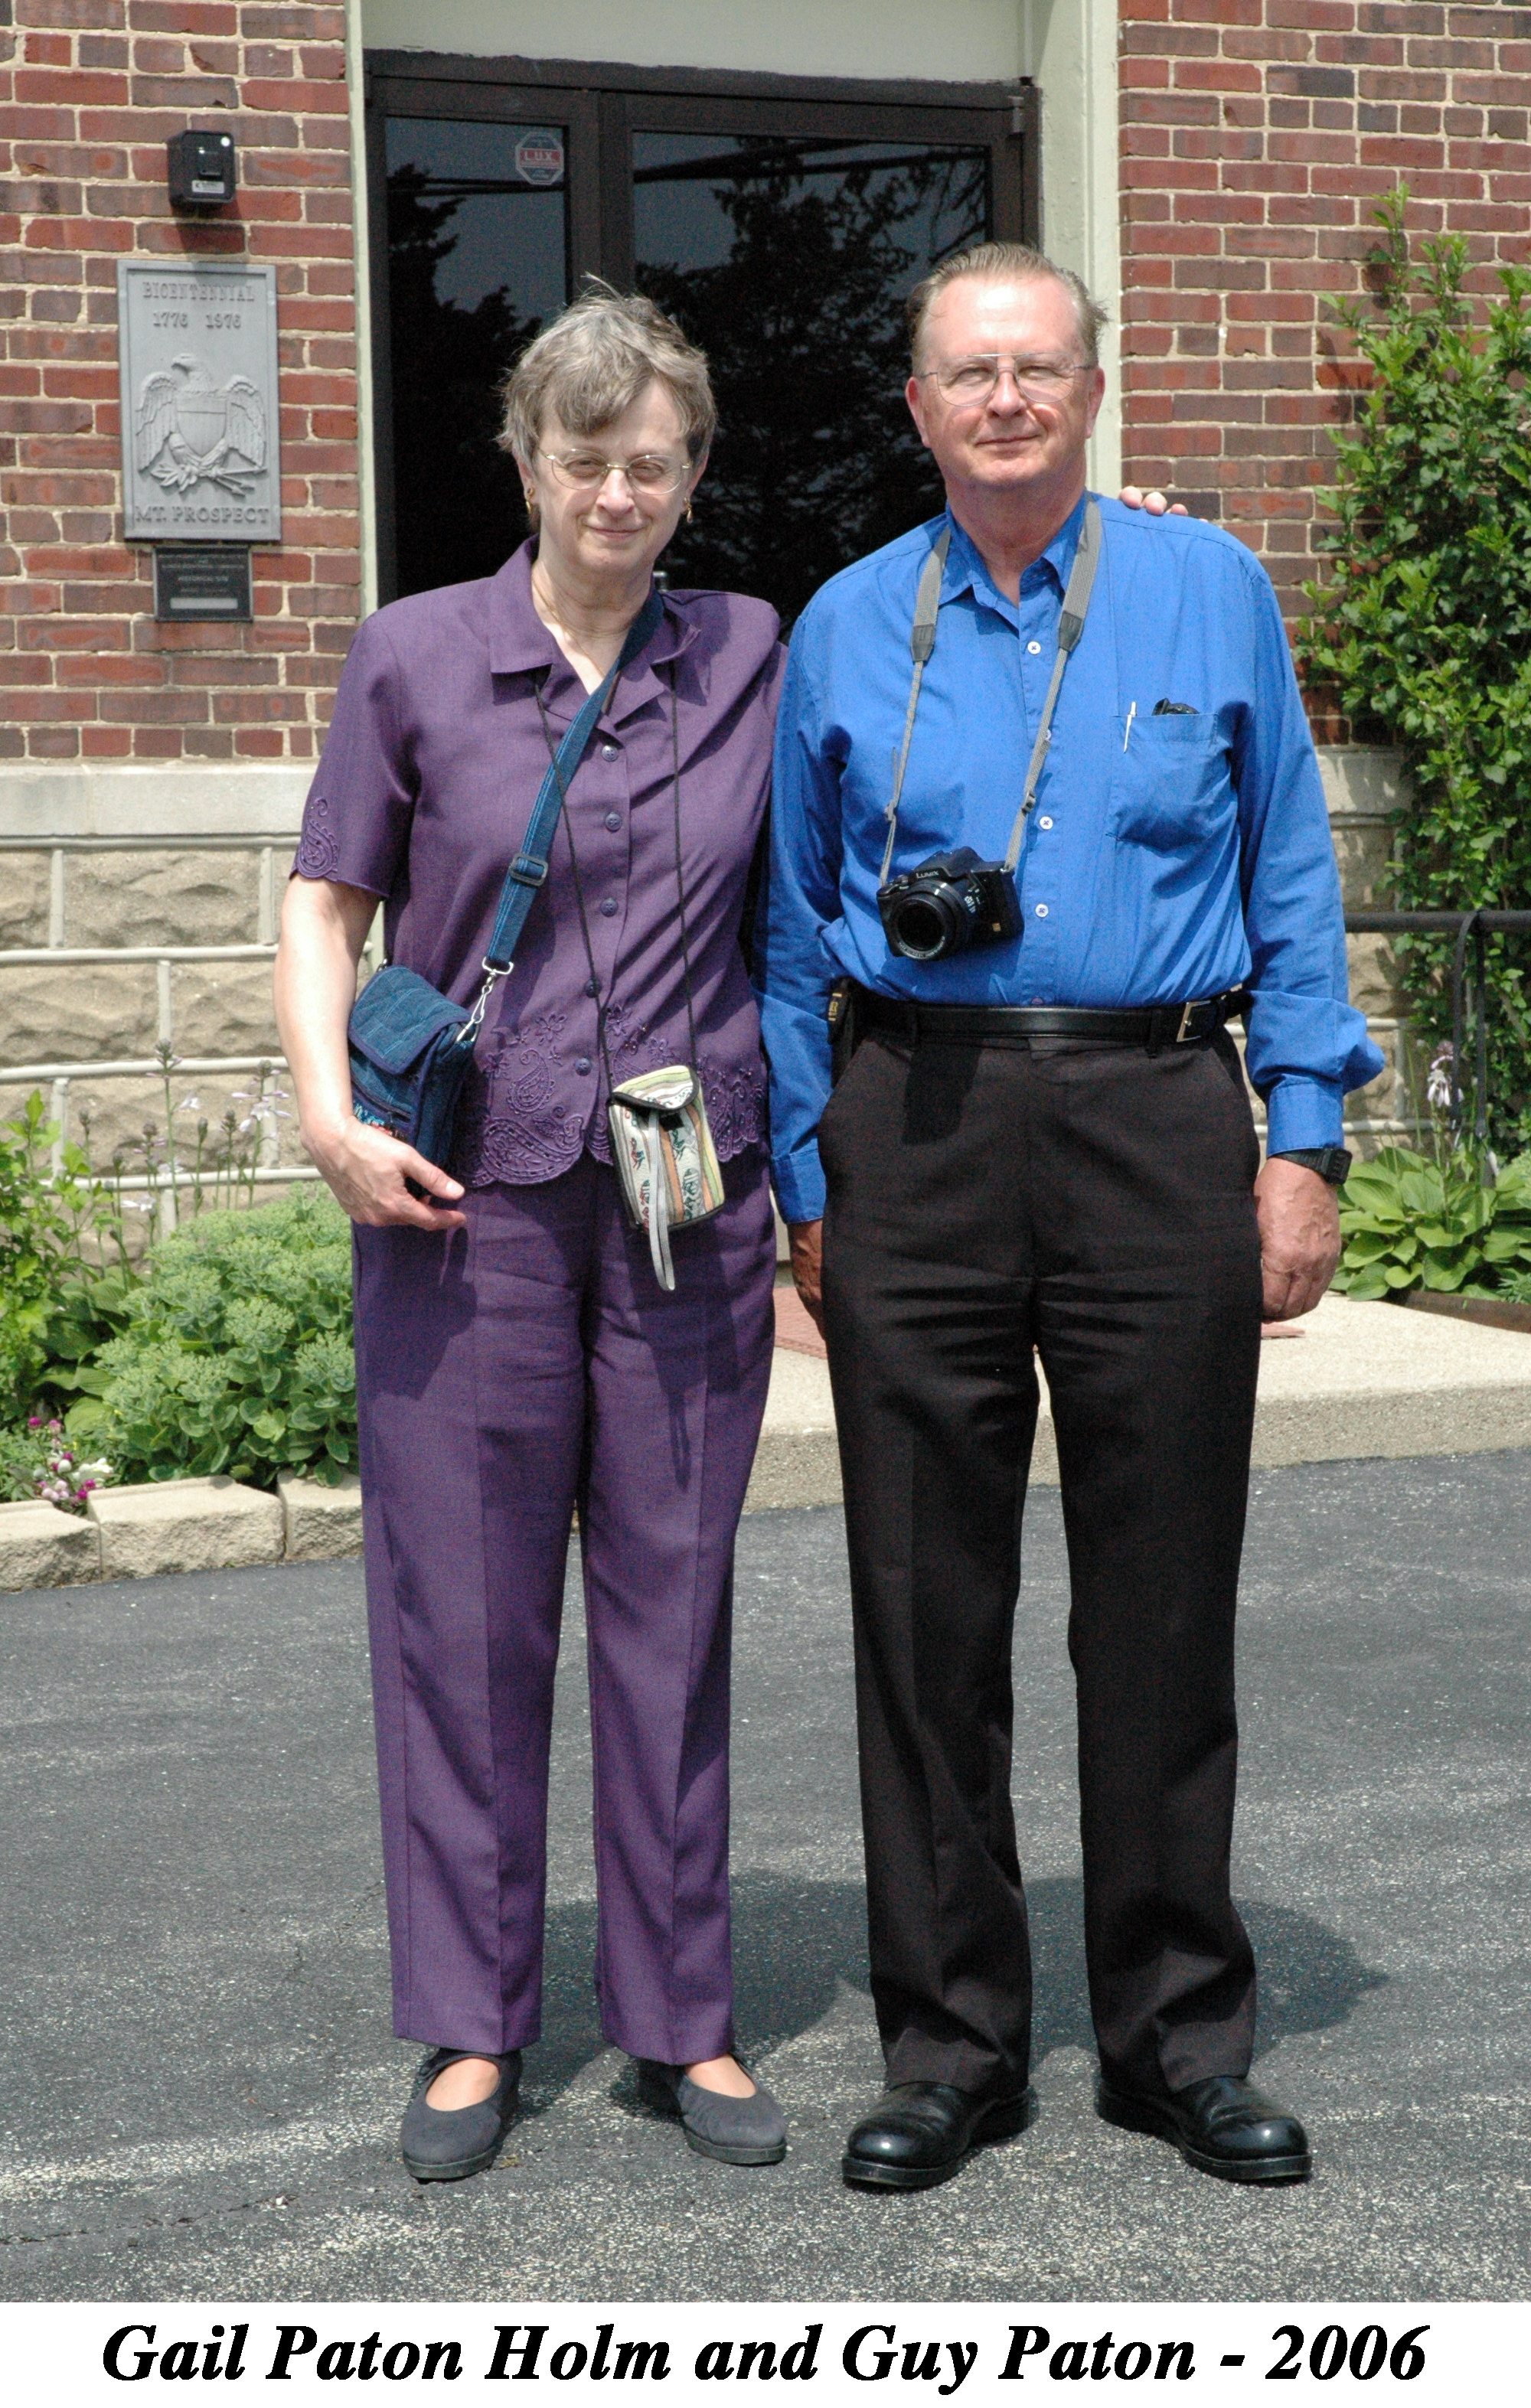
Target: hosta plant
(1410,1221)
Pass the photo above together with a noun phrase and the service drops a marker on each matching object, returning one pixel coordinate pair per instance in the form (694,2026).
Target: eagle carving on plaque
(189,431)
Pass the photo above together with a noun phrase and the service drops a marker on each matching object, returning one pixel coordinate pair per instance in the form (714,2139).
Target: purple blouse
(433,762)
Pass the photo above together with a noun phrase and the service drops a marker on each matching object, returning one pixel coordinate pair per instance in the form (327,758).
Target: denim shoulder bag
(411,1045)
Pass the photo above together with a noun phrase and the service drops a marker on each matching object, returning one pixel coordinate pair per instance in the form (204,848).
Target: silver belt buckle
(1185,1034)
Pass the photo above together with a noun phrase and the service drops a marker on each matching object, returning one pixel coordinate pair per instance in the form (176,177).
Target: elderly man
(1046,816)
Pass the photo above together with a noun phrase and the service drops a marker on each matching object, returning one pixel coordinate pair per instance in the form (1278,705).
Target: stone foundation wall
(123,865)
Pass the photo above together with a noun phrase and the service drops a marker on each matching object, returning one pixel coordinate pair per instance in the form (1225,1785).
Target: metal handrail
(1475,924)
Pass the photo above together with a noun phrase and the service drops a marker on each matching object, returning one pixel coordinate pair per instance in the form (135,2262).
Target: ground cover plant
(236,1353)
(1422,623)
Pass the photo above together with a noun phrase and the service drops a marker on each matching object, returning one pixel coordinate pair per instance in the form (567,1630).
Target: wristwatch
(1331,1162)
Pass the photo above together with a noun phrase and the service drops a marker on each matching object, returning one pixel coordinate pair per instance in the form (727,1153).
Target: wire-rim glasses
(975,377)
(651,472)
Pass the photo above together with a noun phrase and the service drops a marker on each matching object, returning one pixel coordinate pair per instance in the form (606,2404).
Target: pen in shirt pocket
(1132,713)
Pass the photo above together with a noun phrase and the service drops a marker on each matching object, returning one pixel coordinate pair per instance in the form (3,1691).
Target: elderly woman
(516,1355)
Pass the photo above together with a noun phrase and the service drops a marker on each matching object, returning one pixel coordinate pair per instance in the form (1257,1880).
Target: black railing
(1464,925)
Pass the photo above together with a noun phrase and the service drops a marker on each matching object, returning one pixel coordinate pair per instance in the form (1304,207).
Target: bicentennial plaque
(198,342)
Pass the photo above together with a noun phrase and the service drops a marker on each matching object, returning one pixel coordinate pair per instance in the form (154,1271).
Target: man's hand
(1298,1213)
(1154,502)
(808,1255)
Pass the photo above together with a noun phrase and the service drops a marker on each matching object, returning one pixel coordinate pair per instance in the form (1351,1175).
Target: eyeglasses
(651,472)
(974,378)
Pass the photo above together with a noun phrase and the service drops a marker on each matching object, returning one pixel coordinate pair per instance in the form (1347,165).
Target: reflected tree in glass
(817,462)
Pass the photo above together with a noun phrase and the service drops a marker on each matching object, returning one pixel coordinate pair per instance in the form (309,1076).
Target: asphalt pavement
(202,2092)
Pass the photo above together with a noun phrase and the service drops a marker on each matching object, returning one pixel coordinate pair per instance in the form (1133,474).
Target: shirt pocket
(1173,789)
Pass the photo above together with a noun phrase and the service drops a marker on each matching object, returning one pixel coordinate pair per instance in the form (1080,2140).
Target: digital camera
(948,903)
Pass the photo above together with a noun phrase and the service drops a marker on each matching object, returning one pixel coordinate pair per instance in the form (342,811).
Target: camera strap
(1076,604)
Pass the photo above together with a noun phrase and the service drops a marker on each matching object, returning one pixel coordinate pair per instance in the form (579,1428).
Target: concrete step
(1360,1380)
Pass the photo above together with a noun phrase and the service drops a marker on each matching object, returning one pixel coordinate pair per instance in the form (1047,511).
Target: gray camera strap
(927,603)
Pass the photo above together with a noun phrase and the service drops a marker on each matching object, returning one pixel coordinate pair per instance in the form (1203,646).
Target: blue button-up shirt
(1168,857)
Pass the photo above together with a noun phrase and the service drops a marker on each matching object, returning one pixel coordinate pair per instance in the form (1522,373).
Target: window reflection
(789,260)
(478,258)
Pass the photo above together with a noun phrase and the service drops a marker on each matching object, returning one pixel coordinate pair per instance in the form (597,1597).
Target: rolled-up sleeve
(356,820)
(1307,1047)
(793,971)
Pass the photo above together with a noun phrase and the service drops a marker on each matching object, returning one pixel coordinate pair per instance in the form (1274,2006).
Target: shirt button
(592,987)
(613,821)
(1033,647)
(582,1066)
(608,909)
(610,751)
(1041,911)
(1044,822)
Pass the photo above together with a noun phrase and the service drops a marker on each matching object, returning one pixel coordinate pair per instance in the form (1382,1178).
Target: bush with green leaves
(237,1356)
(1422,623)
(58,1300)
(1408,1221)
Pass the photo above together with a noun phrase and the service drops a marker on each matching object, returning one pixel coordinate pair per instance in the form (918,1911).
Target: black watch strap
(1331,1162)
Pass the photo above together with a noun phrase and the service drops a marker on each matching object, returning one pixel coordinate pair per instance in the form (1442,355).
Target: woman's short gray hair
(593,362)
(1006,262)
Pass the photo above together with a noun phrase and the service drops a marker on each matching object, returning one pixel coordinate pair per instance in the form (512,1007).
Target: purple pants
(526,1363)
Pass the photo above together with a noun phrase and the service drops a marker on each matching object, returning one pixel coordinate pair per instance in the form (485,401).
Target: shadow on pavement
(796,1944)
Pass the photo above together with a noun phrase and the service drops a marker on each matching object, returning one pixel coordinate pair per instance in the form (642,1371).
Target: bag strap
(529,868)
(1076,604)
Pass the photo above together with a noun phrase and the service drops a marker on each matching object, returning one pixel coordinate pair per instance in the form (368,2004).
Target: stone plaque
(199,350)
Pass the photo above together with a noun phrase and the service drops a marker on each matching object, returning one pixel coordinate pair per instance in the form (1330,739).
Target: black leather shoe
(1223,2125)
(921,2133)
(448,2144)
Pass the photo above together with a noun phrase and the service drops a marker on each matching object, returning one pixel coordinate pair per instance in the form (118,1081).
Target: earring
(690,513)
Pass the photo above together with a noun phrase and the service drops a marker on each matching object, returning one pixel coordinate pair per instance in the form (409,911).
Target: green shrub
(237,1356)
(1408,1221)
(1422,623)
(58,1303)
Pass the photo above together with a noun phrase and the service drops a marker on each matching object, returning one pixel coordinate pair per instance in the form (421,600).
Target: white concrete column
(1070,49)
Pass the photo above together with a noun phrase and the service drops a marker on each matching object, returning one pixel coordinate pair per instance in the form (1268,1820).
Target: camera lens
(930,924)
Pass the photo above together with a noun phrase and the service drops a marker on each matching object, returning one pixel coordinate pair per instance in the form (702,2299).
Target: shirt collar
(518,640)
(966,571)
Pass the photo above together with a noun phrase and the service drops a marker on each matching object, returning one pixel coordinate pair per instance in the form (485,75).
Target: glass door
(782,225)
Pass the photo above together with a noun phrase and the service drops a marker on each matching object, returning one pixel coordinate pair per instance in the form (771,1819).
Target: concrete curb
(1363,1381)
(177,1525)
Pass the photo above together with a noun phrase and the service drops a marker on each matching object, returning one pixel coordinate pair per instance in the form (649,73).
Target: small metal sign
(199,350)
(539,157)
(203,581)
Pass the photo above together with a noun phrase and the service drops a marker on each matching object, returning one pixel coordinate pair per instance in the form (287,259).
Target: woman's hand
(1152,501)
(364,1170)
(323,928)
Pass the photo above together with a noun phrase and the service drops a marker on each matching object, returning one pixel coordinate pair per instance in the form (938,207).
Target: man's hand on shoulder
(1152,501)
(808,1241)
(1298,1214)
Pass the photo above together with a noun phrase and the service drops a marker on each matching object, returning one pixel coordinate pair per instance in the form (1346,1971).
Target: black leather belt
(1157,1026)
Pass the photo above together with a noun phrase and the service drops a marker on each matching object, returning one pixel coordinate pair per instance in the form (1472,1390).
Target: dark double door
(781,223)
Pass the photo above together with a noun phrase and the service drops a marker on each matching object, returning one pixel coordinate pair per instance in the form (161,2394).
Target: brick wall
(89,90)
(1256,136)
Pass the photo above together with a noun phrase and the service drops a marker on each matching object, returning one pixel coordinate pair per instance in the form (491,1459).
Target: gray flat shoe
(448,2144)
(737,2131)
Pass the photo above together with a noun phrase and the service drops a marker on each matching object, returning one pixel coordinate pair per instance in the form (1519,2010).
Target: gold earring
(690,513)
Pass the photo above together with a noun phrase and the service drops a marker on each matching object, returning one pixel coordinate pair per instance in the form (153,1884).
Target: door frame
(603,103)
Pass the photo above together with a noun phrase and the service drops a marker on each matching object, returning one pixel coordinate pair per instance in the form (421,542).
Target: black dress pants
(1094,1202)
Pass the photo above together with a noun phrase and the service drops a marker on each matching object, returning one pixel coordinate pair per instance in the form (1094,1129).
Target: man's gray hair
(1006,262)
(593,362)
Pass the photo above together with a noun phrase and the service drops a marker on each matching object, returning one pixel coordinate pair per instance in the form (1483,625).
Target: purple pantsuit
(529,1361)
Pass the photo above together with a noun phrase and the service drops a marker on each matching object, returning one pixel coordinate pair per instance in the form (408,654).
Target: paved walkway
(202,2092)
